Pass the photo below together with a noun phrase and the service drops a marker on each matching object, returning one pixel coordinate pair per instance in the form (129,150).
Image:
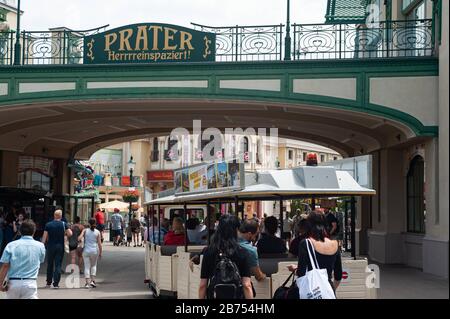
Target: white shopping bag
(314,284)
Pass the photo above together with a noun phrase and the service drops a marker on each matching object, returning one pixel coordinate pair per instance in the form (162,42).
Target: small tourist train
(170,272)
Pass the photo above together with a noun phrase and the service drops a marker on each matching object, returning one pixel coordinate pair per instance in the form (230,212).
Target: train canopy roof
(305,181)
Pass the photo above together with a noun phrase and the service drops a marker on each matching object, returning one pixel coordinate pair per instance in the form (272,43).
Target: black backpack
(226,281)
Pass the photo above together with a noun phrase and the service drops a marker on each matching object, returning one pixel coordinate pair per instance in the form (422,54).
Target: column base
(435,256)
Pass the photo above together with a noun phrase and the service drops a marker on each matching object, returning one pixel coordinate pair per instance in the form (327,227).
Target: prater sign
(149,43)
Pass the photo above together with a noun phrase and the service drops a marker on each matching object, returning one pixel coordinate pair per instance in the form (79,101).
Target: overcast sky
(85,14)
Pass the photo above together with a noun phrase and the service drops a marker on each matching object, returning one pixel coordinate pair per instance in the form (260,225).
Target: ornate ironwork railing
(349,41)
(247,43)
(57,47)
(252,43)
(7,47)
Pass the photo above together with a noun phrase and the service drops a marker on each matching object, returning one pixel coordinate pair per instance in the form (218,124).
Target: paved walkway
(120,274)
(399,282)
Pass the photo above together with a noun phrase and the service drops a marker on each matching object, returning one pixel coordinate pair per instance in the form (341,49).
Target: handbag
(66,240)
(284,292)
(314,284)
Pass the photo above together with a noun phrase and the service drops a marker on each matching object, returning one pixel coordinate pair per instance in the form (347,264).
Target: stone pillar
(64,178)
(388,207)
(435,243)
(9,162)
(362,225)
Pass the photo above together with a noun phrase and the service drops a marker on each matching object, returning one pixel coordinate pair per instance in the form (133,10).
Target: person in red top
(100,220)
(176,236)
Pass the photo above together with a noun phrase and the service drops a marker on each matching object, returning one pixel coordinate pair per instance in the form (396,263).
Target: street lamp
(287,40)
(131,167)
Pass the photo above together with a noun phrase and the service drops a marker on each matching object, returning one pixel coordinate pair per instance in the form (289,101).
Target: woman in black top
(327,251)
(225,241)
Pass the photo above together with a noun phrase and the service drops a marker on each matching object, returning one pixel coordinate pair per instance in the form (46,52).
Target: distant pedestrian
(136,230)
(100,220)
(116,226)
(129,234)
(53,237)
(21,217)
(92,251)
(21,261)
(74,244)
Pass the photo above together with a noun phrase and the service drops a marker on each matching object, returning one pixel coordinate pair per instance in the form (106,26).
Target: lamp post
(287,40)
(131,167)
(17,46)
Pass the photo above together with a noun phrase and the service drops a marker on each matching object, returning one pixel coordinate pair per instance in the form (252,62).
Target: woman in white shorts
(92,250)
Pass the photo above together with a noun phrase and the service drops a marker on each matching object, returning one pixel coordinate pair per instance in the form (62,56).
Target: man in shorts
(116,226)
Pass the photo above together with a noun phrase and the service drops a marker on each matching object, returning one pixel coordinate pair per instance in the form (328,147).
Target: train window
(179,212)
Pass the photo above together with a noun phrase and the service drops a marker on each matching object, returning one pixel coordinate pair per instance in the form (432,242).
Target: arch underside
(79,128)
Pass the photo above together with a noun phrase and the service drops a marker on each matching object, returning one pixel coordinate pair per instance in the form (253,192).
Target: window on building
(258,152)
(415,196)
(3,14)
(171,153)
(245,149)
(34,180)
(155,151)
(416,28)
(322,158)
(203,143)
(290,154)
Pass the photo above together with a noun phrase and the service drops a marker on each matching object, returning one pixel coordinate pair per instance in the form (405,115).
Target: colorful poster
(222,175)
(234,176)
(212,176)
(185,180)
(197,179)
(178,183)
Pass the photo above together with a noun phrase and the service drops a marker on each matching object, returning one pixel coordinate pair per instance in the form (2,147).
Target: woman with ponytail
(92,250)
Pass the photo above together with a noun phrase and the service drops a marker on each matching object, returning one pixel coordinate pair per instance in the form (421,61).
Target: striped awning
(346,11)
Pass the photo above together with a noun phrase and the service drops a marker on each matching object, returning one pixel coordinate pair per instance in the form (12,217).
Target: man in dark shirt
(332,222)
(269,243)
(53,237)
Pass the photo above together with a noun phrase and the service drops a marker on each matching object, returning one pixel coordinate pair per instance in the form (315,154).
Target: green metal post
(17,46)
(186,217)
(352,225)
(287,40)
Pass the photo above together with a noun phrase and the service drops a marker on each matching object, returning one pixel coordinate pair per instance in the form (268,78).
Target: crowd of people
(22,255)
(244,242)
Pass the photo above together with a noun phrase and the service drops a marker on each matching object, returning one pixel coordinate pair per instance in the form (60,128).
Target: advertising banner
(209,177)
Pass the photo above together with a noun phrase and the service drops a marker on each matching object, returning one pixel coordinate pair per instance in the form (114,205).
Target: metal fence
(252,43)
(247,43)
(61,47)
(7,48)
(352,41)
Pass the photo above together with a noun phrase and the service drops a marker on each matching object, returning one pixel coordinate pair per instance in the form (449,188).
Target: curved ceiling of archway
(61,129)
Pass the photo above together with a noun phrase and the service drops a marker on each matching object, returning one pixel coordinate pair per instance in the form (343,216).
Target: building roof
(346,11)
(9,8)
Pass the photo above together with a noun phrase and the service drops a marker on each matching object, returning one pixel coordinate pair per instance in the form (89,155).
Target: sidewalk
(400,282)
(120,276)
